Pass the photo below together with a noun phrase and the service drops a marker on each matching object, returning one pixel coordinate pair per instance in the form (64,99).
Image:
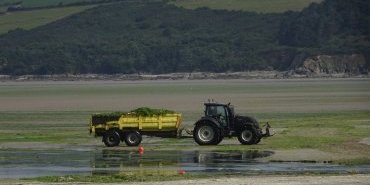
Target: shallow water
(34,163)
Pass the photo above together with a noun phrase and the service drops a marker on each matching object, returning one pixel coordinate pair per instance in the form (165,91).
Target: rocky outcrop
(335,64)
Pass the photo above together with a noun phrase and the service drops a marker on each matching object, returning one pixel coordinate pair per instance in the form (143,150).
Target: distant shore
(180,76)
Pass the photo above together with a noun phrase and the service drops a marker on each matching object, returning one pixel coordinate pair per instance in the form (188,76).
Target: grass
(42,3)
(357,161)
(294,131)
(262,6)
(133,176)
(32,19)
(7,2)
(313,130)
(46,127)
(154,177)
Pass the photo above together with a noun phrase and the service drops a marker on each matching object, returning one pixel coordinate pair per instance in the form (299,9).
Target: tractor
(220,121)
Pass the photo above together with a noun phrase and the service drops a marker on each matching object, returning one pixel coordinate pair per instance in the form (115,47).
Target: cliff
(333,64)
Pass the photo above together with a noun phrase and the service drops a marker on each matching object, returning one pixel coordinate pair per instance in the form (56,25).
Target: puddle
(34,163)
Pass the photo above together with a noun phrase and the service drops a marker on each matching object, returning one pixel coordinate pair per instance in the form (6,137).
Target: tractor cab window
(217,112)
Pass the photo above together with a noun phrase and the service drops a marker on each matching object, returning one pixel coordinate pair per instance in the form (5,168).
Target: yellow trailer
(129,127)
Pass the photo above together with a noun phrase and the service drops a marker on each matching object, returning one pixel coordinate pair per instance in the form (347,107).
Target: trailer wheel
(111,138)
(133,138)
(248,136)
(206,134)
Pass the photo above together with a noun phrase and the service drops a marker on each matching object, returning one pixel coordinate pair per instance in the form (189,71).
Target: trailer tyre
(111,138)
(206,134)
(133,138)
(248,136)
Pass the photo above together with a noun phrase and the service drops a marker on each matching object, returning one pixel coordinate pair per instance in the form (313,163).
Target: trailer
(130,127)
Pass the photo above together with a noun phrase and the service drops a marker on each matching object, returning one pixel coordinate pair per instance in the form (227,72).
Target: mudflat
(280,95)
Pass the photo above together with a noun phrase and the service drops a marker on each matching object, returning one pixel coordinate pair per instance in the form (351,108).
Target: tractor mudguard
(209,120)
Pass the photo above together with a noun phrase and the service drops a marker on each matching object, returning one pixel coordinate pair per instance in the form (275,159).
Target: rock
(335,64)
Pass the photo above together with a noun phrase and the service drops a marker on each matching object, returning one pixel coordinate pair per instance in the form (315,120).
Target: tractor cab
(224,113)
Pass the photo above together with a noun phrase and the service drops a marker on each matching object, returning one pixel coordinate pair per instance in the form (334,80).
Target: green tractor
(220,121)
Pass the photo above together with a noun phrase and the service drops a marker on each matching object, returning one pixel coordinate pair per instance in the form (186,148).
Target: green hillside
(137,37)
(31,19)
(264,6)
(41,3)
(35,18)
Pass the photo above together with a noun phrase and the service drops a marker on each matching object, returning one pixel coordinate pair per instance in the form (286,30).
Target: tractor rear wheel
(257,141)
(220,138)
(133,138)
(248,136)
(206,134)
(111,138)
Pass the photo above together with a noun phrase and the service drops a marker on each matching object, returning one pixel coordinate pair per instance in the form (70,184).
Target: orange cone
(182,172)
(141,150)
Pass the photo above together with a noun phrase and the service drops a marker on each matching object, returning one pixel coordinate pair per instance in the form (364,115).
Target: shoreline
(181,76)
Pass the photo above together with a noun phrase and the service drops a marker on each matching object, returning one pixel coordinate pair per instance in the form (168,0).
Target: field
(31,19)
(42,3)
(320,120)
(262,6)
(37,17)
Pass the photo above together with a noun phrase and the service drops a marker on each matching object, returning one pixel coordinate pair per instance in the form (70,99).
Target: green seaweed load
(146,111)
(102,118)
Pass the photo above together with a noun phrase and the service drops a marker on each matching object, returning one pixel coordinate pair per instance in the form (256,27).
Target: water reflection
(212,157)
(33,163)
(116,161)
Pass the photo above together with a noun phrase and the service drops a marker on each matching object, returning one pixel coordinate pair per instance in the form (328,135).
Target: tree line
(155,37)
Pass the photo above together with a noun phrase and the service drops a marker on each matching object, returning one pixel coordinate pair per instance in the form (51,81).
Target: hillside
(161,38)
(263,6)
(28,14)
(32,19)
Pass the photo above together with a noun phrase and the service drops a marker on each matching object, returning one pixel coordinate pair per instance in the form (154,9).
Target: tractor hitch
(267,130)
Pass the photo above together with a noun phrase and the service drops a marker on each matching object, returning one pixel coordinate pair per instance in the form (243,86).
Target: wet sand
(275,180)
(281,95)
(250,180)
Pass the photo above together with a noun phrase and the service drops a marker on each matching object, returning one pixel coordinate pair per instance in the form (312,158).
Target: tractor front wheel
(248,136)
